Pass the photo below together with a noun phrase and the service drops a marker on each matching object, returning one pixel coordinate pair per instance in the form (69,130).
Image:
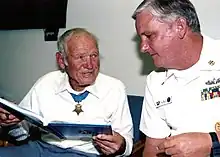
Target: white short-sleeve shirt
(106,104)
(184,101)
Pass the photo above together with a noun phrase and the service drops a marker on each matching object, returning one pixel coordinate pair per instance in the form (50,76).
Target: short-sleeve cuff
(156,133)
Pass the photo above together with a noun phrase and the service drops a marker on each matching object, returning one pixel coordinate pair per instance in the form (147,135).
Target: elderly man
(180,114)
(104,101)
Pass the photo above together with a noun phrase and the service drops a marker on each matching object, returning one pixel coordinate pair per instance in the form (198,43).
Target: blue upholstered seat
(135,104)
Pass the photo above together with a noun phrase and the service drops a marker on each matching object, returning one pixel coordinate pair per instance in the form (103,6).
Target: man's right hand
(7,118)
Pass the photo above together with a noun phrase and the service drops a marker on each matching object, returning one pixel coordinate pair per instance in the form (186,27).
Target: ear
(60,60)
(181,27)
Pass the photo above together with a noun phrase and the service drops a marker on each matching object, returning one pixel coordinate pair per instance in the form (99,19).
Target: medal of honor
(78,109)
(78,98)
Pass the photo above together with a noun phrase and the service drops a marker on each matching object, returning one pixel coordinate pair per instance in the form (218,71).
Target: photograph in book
(61,129)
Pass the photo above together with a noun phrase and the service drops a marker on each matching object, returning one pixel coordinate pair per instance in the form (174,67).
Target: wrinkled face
(83,60)
(159,39)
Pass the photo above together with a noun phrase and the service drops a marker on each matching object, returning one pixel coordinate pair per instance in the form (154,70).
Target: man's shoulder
(49,78)
(108,80)
(53,75)
(212,44)
(211,52)
(106,84)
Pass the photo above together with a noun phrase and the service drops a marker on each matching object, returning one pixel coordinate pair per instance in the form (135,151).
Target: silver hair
(62,41)
(171,10)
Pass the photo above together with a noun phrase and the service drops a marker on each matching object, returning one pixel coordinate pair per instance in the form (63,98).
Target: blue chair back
(135,104)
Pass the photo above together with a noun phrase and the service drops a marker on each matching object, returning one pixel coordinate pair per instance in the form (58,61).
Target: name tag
(164,101)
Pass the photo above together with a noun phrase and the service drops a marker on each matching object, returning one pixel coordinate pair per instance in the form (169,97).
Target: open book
(63,130)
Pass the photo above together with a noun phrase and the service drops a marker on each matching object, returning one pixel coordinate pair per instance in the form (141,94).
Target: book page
(62,129)
(22,113)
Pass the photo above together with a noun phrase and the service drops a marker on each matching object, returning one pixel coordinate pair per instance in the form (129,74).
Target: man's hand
(110,144)
(187,145)
(7,119)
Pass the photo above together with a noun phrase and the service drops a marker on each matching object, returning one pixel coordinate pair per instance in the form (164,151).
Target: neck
(75,86)
(191,51)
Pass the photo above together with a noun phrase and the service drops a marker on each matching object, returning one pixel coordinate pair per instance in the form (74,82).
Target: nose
(88,63)
(144,46)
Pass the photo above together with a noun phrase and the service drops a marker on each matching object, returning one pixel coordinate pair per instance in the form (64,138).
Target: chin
(158,65)
(87,82)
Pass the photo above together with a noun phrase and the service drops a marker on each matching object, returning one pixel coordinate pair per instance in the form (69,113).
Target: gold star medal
(78,109)
(78,98)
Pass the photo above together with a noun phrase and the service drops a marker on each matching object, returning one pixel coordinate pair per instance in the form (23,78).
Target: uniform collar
(65,86)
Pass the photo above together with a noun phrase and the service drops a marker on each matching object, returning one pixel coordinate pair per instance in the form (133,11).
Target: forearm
(151,148)
(150,152)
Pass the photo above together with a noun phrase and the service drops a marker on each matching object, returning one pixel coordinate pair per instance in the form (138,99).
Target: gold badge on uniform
(211,62)
(78,109)
(217,126)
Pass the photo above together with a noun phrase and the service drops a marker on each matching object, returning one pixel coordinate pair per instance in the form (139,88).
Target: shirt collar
(65,86)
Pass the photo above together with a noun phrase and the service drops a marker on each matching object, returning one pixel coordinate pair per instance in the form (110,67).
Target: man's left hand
(187,145)
(110,144)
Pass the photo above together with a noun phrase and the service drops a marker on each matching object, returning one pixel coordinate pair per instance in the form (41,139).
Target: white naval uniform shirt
(184,101)
(106,104)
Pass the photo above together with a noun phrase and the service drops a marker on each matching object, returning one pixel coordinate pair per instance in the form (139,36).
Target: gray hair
(171,10)
(61,43)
